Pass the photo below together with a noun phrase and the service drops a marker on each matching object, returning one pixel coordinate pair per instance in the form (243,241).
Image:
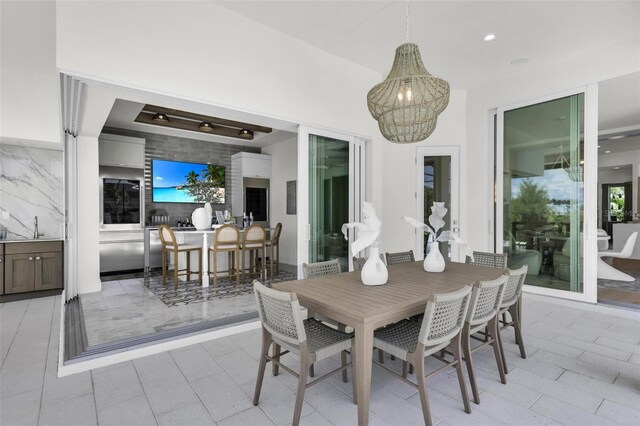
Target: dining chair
(225,240)
(329,267)
(400,257)
(283,327)
(310,270)
(170,246)
(491,260)
(412,341)
(273,244)
(253,240)
(483,315)
(511,304)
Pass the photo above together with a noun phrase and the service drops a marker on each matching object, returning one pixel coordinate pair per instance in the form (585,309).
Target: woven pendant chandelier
(407,103)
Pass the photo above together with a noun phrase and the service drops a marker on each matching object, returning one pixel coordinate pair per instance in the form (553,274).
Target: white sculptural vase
(201,218)
(434,262)
(374,271)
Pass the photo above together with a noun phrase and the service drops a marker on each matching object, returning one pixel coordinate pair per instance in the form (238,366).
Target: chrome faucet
(36,234)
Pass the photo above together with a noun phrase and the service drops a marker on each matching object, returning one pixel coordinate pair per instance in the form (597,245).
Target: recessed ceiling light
(598,146)
(489,37)
(616,137)
(607,152)
(616,168)
(520,61)
(581,162)
(160,118)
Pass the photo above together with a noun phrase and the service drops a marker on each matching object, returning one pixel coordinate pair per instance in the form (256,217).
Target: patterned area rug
(192,292)
(632,286)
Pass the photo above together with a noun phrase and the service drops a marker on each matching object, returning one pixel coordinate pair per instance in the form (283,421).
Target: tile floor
(583,367)
(126,307)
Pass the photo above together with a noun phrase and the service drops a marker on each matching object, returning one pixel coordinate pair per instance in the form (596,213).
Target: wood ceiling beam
(199,117)
(190,125)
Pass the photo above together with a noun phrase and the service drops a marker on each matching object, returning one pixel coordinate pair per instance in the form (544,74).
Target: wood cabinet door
(48,270)
(19,273)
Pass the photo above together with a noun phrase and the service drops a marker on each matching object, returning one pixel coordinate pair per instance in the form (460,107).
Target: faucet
(36,234)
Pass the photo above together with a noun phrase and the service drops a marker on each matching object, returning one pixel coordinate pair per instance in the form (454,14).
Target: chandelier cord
(407,20)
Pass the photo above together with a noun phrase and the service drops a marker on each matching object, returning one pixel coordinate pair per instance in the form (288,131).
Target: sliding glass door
(543,217)
(330,189)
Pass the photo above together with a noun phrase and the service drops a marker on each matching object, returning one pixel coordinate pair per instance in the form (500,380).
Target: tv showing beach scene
(181,182)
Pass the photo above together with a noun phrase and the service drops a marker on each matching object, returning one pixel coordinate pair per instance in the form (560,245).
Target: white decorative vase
(434,262)
(374,271)
(201,218)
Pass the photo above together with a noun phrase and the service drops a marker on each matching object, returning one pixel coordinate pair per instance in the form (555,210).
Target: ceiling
(450,34)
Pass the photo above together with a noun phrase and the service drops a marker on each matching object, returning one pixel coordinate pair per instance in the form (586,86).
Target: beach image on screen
(181,182)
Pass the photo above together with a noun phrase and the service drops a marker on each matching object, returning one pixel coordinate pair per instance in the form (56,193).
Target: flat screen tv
(181,182)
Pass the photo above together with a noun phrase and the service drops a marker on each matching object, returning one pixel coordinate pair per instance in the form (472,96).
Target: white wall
(284,167)
(28,75)
(533,81)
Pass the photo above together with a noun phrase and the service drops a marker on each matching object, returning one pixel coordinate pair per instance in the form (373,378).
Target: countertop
(30,240)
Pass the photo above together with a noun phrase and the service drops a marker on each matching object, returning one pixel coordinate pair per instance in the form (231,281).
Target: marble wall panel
(31,184)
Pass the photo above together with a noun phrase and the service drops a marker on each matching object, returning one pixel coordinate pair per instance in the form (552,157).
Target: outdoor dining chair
(491,260)
(510,304)
(412,341)
(284,328)
(400,257)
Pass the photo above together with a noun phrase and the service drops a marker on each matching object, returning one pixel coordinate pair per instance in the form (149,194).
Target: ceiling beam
(199,117)
(190,125)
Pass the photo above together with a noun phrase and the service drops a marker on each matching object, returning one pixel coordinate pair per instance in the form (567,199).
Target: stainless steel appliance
(121,219)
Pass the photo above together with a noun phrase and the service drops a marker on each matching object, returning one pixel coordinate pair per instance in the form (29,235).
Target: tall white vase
(374,271)
(434,262)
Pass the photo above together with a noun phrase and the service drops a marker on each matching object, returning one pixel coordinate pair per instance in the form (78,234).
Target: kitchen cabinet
(121,151)
(32,266)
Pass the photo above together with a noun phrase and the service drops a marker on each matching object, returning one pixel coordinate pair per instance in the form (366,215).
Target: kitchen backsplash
(31,185)
(182,149)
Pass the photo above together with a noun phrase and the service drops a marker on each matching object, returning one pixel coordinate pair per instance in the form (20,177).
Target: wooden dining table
(346,300)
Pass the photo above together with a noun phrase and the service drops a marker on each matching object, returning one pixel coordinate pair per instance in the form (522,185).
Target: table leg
(362,376)
(205,263)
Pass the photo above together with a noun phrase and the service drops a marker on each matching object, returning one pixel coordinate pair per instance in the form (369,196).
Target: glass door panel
(437,188)
(543,191)
(328,199)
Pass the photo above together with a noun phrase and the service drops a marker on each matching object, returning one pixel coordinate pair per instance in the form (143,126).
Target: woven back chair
(284,327)
(254,242)
(170,247)
(483,315)
(226,239)
(401,257)
(512,304)
(491,260)
(411,341)
(310,270)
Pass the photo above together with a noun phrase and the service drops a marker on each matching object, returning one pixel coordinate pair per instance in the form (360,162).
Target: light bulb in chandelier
(405,94)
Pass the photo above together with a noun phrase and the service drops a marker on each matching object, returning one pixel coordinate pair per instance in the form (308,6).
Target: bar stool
(253,240)
(226,239)
(274,249)
(169,246)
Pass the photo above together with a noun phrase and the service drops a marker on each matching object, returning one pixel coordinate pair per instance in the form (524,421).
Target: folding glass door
(329,194)
(541,148)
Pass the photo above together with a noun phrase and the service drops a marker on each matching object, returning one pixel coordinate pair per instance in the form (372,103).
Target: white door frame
(356,185)
(452,151)
(590,182)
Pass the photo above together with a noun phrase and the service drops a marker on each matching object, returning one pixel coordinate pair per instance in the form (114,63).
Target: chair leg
(275,368)
(353,371)
(215,269)
(164,268)
(380,356)
(405,369)
(466,349)
(305,364)
(266,342)
(455,345)
(493,331)
(175,270)
(513,310)
(343,357)
(236,261)
(502,357)
(312,371)
(209,251)
(422,388)
(410,368)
